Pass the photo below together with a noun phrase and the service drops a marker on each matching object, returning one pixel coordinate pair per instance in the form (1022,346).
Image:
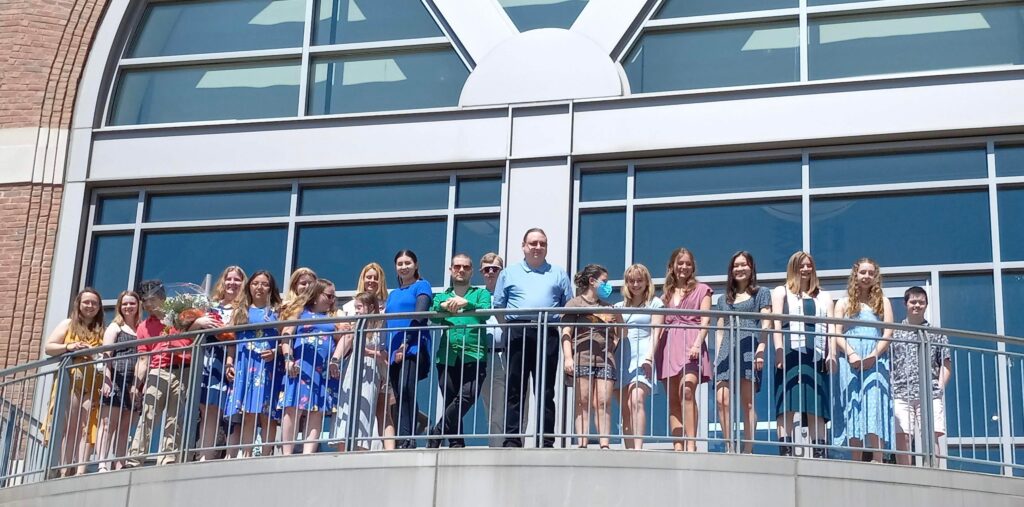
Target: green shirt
(460,342)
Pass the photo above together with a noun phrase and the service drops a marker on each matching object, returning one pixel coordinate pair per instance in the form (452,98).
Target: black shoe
(406,444)
(819,452)
(456,443)
(512,442)
(785,446)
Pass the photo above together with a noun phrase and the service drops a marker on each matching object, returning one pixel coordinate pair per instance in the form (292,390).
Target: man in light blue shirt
(531,284)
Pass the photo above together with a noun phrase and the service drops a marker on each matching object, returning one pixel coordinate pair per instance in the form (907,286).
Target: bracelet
(335,360)
(289,357)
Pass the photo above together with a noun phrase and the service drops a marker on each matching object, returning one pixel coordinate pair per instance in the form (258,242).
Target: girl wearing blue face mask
(588,352)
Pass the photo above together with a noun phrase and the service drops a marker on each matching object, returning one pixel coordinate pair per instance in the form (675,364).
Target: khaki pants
(165,395)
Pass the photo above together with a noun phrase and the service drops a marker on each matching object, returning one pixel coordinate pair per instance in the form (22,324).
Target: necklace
(587,301)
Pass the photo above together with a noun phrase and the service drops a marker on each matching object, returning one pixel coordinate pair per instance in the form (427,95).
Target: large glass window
(475,236)
(602,239)
(770,231)
(374,197)
(378,55)
(1011,234)
(603,186)
(717,179)
(213,205)
(116,210)
(235,91)
(108,267)
(901,230)
(898,168)
(350,21)
(714,57)
(188,256)
(915,40)
(1010,160)
(386,81)
(533,14)
(182,28)
(683,8)
(473,193)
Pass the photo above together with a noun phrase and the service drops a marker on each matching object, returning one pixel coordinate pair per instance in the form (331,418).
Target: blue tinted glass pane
(602,240)
(1011,234)
(530,15)
(478,192)
(915,41)
(944,228)
(475,237)
(770,231)
(248,204)
(338,252)
(1013,325)
(968,302)
(188,256)
(603,186)
(978,452)
(207,92)
(713,57)
(181,28)
(387,82)
(1018,458)
(371,198)
(110,259)
(681,8)
(1013,298)
(1010,160)
(898,168)
(116,210)
(673,181)
(348,21)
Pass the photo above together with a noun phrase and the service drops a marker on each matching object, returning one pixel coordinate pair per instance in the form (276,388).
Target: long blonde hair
(218,288)
(290,294)
(382,287)
(793,274)
(671,282)
(306,299)
(875,295)
(118,316)
(627,294)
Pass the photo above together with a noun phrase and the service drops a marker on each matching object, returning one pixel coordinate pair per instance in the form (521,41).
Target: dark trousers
(524,349)
(460,385)
(403,378)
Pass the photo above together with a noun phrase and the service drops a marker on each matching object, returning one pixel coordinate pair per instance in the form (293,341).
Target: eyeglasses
(329,296)
(265,285)
(462,267)
(490,269)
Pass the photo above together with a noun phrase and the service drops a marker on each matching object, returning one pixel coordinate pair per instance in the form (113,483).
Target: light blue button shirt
(521,286)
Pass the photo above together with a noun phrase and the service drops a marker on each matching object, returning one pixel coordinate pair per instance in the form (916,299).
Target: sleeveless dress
(865,395)
(253,388)
(84,380)
(673,354)
(637,345)
(802,385)
(122,373)
(748,332)
(312,389)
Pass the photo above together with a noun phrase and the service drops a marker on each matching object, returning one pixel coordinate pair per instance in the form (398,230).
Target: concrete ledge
(503,477)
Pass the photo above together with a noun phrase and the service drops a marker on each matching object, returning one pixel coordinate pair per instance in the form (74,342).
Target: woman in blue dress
(308,395)
(218,362)
(864,378)
(408,346)
(251,394)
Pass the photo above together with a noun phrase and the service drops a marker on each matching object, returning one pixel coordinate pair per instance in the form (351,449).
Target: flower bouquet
(182,309)
(226,336)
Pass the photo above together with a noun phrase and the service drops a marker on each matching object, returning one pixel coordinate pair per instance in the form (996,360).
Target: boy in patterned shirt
(906,375)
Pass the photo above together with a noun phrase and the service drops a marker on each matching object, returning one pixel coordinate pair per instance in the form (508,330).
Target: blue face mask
(604,290)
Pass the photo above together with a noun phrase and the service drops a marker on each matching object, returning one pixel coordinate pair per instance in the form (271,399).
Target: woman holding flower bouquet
(307,393)
(253,389)
(218,362)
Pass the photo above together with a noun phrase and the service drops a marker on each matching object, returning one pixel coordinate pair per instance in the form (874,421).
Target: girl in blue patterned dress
(252,392)
(864,378)
(307,391)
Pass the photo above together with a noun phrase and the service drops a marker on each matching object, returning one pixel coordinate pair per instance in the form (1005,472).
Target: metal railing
(210,399)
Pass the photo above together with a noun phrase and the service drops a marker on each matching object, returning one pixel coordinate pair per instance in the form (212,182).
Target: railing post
(56,422)
(540,379)
(735,374)
(925,395)
(8,444)
(356,366)
(188,419)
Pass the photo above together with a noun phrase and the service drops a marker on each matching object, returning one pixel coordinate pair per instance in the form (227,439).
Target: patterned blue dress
(865,395)
(253,390)
(312,389)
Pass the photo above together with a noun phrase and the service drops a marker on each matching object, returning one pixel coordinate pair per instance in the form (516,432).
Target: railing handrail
(960,333)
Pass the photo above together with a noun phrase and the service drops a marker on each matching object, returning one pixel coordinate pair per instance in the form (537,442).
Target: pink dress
(673,354)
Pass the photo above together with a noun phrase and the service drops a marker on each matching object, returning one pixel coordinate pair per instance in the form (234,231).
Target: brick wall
(43,47)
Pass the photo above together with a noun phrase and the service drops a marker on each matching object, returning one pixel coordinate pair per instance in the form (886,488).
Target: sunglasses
(462,267)
(490,269)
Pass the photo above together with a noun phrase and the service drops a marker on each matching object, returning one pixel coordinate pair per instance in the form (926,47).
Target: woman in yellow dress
(83,330)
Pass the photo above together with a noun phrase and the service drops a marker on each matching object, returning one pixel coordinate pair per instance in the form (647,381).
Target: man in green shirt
(462,352)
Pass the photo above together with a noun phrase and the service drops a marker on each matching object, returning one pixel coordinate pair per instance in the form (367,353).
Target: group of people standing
(277,381)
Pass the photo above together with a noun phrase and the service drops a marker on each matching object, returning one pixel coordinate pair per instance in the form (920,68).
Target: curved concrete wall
(495,478)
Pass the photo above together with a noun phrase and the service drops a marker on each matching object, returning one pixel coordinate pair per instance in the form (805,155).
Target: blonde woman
(82,331)
(804,355)
(121,398)
(375,395)
(682,354)
(371,279)
(637,351)
(864,377)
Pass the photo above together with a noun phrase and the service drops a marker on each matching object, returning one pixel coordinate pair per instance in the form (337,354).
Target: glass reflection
(602,236)
(350,21)
(425,195)
(188,256)
(110,258)
(534,14)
